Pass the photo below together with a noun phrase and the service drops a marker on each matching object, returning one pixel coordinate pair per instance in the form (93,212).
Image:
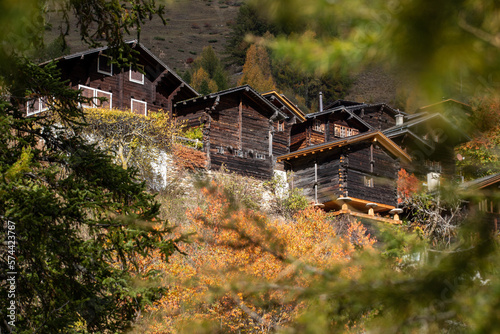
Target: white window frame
(318,126)
(95,98)
(220,149)
(141,102)
(260,156)
(132,71)
(99,65)
(31,103)
(344,131)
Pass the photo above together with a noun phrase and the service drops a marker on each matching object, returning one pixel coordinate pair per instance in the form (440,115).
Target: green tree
(446,48)
(257,70)
(75,225)
(213,72)
(202,82)
(248,22)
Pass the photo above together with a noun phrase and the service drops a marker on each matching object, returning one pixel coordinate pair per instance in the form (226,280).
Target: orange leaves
(188,158)
(408,184)
(243,271)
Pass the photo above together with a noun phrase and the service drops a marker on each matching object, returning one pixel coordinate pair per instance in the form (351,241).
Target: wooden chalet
(325,126)
(483,197)
(361,169)
(430,139)
(282,128)
(238,129)
(149,85)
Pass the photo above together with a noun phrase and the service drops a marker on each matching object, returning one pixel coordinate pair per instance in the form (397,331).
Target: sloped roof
(340,109)
(422,118)
(482,182)
(448,101)
(286,102)
(135,44)
(371,135)
(246,89)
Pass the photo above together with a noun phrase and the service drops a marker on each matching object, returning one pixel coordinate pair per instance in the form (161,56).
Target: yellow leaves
(257,70)
(236,255)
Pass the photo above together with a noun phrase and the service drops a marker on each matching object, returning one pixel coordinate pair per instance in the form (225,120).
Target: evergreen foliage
(77,222)
(207,74)
(248,22)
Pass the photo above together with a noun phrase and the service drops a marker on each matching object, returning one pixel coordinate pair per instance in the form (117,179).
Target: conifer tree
(212,78)
(73,224)
(257,70)
(202,82)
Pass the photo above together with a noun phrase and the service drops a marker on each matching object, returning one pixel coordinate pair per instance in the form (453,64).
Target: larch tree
(257,69)
(73,223)
(207,74)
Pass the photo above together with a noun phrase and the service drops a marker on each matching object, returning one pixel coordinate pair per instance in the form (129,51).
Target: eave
(295,110)
(375,136)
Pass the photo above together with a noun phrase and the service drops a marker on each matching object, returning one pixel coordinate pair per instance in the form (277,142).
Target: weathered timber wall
(385,168)
(378,117)
(327,175)
(154,91)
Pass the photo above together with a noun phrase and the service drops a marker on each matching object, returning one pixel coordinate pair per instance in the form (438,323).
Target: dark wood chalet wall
(159,89)
(385,169)
(378,117)
(298,137)
(327,169)
(243,138)
(281,139)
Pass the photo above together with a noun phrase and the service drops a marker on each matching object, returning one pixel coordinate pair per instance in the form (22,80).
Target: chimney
(399,119)
(320,101)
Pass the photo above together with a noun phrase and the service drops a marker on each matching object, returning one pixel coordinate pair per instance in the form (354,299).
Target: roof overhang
(134,44)
(286,102)
(374,136)
(245,89)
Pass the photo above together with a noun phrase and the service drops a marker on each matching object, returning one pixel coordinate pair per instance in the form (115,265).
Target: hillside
(194,24)
(191,25)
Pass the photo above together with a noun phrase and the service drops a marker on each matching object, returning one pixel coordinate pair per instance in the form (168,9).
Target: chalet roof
(340,109)
(448,101)
(287,103)
(375,136)
(246,89)
(424,117)
(482,182)
(407,132)
(375,105)
(344,103)
(135,44)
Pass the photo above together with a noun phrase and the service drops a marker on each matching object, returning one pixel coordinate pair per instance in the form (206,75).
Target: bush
(284,201)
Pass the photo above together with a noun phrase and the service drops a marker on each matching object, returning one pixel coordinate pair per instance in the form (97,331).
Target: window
(96,95)
(318,126)
(104,65)
(139,107)
(260,156)
(344,131)
(239,153)
(281,126)
(137,76)
(36,106)
(220,149)
(368,181)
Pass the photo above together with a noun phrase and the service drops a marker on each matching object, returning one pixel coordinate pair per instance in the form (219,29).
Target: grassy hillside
(192,24)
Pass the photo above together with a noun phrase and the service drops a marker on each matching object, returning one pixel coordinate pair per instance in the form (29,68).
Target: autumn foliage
(408,185)
(243,272)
